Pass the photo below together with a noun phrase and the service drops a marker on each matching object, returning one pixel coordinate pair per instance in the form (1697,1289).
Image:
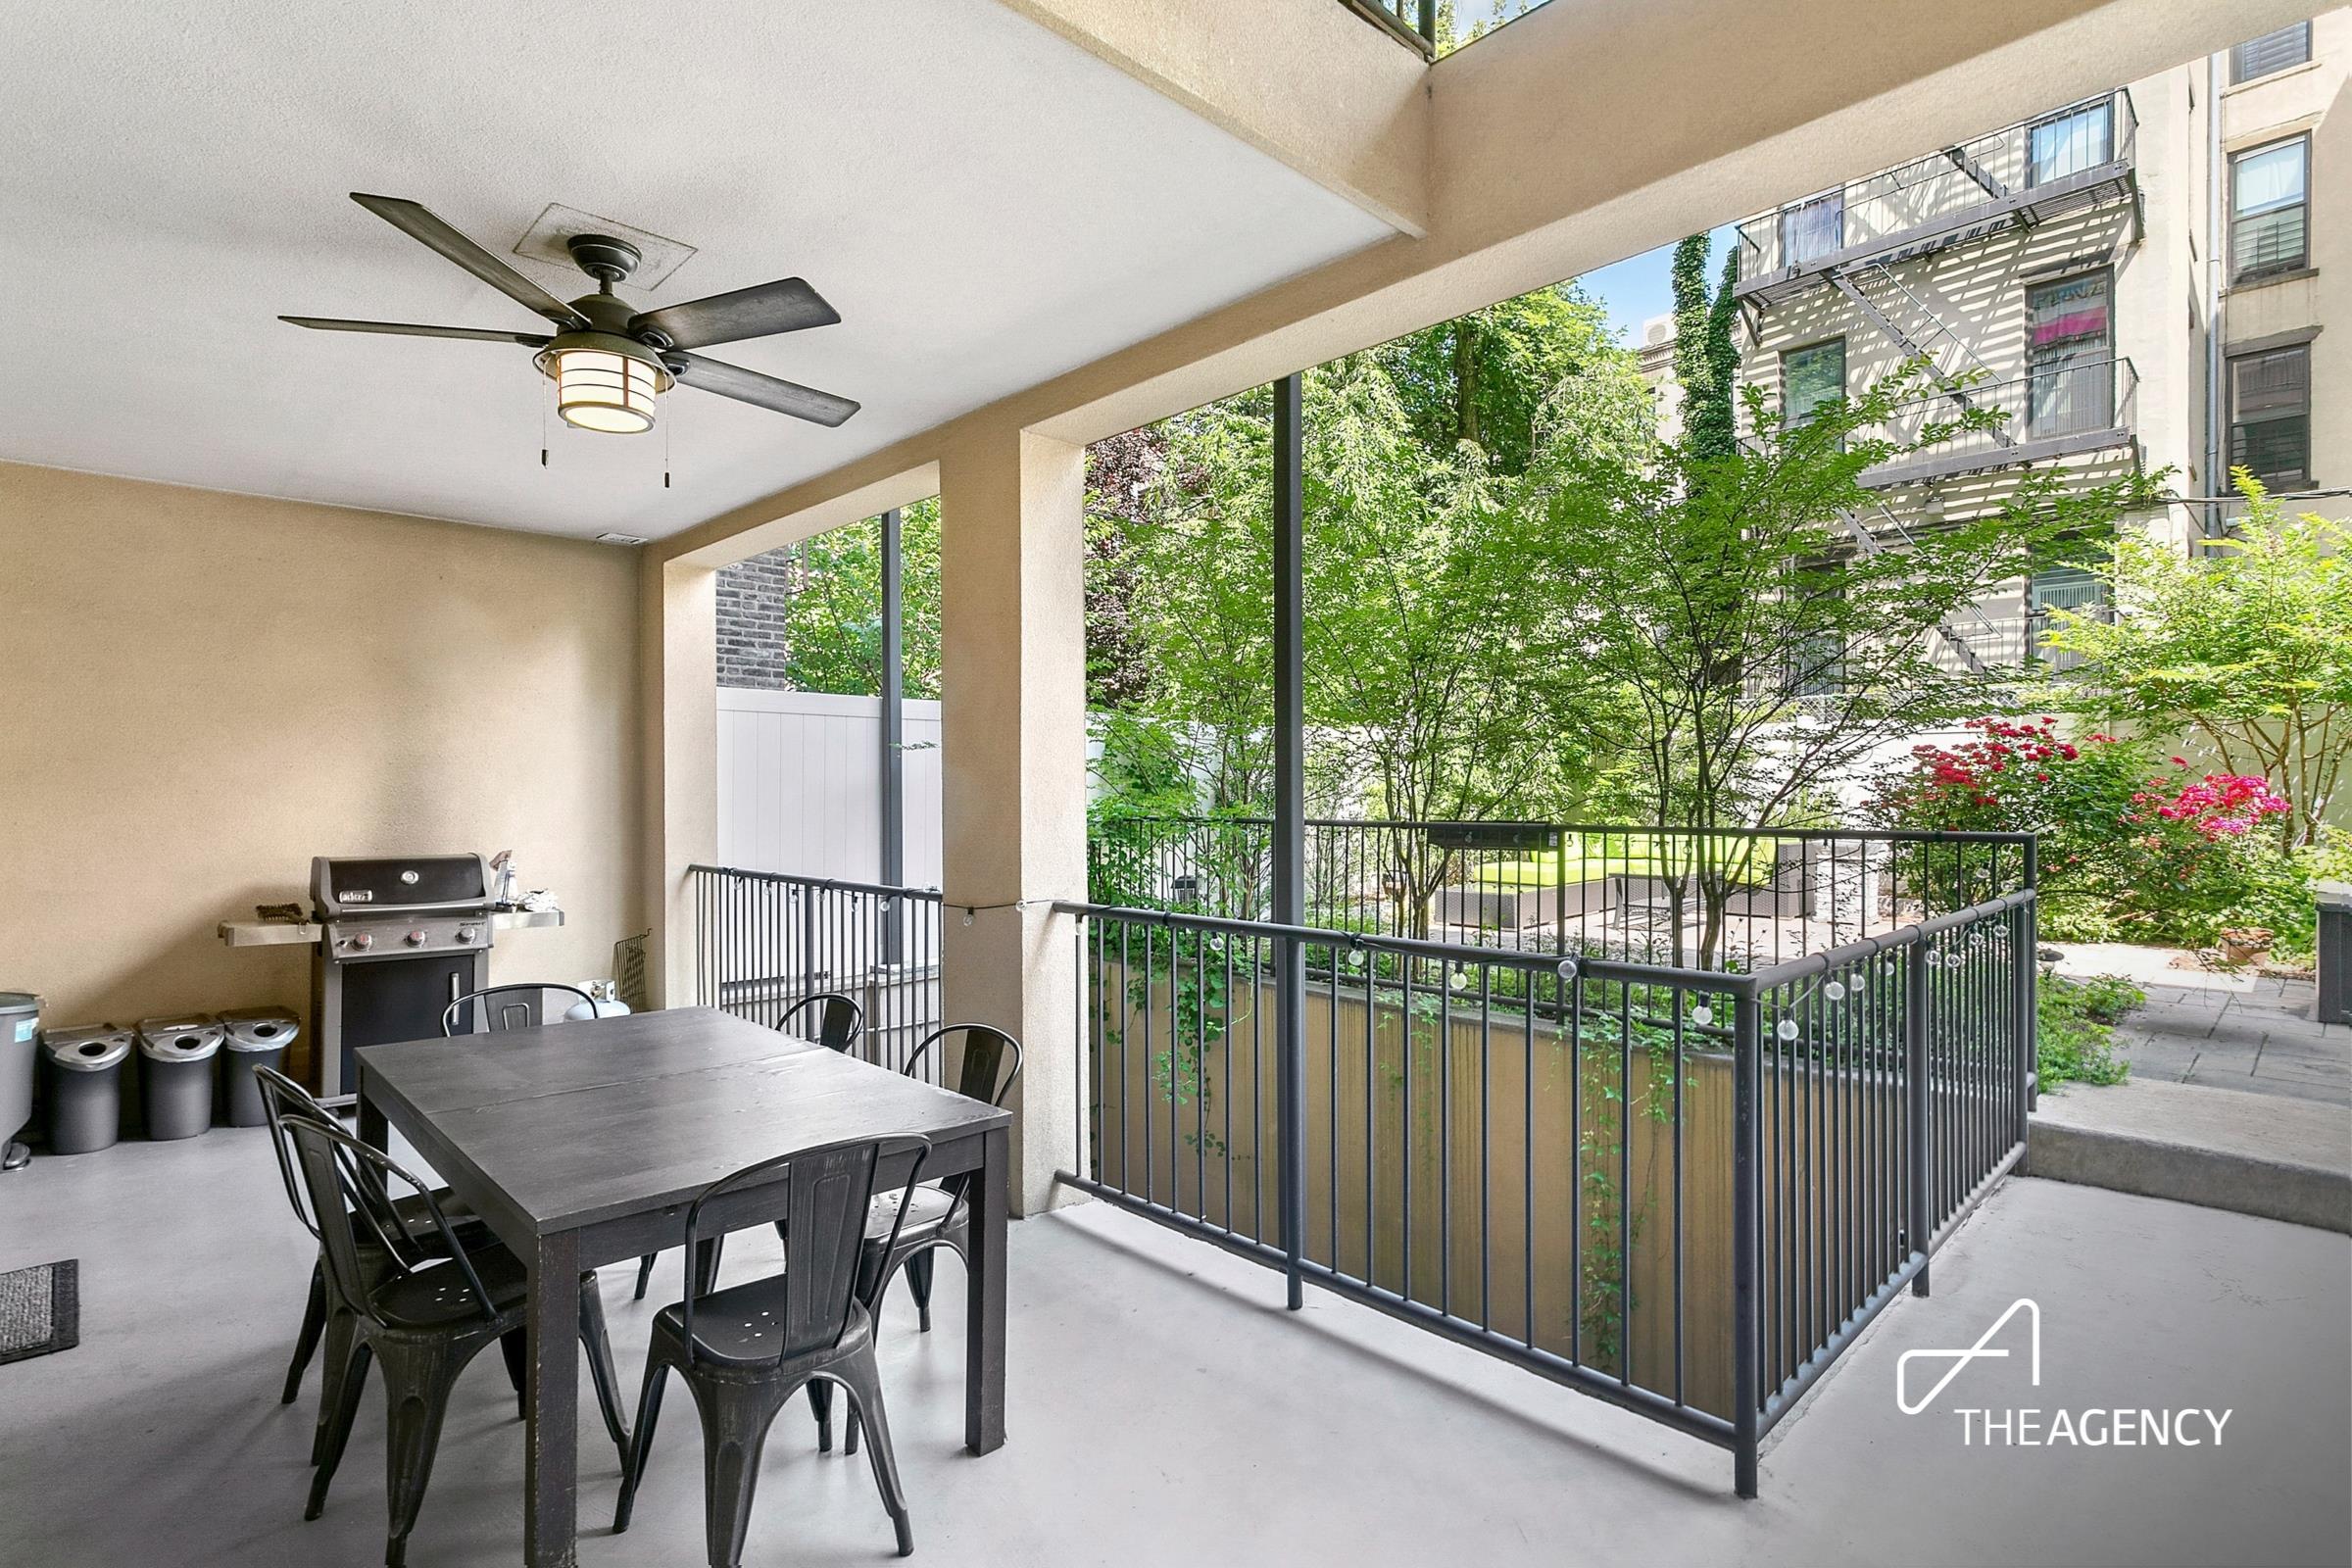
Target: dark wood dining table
(581,1144)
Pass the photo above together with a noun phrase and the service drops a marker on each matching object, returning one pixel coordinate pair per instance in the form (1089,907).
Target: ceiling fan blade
(786,305)
(421,226)
(332,323)
(767,391)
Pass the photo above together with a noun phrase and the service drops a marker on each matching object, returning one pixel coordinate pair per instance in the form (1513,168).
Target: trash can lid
(259,1028)
(191,1037)
(92,1048)
(20,1017)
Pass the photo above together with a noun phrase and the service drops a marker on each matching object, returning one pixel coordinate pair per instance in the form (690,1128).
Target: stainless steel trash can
(175,1073)
(86,1087)
(252,1037)
(20,1050)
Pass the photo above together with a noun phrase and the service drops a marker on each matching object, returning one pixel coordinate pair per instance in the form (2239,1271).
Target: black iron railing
(765,942)
(2076,406)
(1414,21)
(1704,898)
(2070,157)
(1684,1191)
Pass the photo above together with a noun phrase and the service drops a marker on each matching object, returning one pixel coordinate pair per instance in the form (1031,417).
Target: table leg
(551,1445)
(984,1313)
(705,1266)
(372,1129)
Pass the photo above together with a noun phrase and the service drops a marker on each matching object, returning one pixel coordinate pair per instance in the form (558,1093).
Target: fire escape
(1853,241)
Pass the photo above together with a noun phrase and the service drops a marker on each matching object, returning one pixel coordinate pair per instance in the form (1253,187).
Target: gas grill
(398,941)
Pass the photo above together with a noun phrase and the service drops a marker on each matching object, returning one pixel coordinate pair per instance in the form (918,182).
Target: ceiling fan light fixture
(600,390)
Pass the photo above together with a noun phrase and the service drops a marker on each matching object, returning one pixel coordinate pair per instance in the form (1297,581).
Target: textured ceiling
(985,204)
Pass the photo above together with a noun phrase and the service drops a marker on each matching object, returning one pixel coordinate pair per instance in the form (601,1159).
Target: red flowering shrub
(2127,847)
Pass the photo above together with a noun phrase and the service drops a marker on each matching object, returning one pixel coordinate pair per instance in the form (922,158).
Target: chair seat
(927,1212)
(743,1325)
(433,1297)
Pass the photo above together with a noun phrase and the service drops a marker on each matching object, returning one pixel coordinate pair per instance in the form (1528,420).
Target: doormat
(40,1309)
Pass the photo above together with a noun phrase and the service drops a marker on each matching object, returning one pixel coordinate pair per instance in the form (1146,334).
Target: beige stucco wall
(199,692)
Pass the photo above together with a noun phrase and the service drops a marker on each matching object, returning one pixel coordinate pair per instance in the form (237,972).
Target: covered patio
(367,630)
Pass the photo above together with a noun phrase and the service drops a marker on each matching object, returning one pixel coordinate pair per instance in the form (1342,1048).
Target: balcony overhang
(1988,459)
(2111,181)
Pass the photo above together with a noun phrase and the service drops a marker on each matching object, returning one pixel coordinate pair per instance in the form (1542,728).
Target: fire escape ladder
(1965,162)
(1912,347)
(1866,540)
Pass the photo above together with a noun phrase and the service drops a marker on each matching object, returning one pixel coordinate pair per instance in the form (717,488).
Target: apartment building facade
(2141,279)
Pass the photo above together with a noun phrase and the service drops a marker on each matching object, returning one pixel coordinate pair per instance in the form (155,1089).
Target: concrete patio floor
(1164,1410)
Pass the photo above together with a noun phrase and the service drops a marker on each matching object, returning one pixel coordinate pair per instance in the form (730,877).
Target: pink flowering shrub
(2130,847)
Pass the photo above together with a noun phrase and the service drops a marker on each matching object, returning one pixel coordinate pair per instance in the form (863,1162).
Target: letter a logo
(1961,1358)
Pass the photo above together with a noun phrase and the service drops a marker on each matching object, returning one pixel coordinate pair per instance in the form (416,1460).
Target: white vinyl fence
(800,780)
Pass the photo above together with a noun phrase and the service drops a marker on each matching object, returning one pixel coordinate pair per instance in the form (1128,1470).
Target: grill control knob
(417,938)
(364,941)
(464,933)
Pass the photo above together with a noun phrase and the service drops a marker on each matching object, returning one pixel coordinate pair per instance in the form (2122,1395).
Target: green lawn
(1631,855)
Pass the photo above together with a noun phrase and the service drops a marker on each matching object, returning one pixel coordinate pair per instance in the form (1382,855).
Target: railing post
(1916,1032)
(1747,1345)
(1289,822)
(2026,950)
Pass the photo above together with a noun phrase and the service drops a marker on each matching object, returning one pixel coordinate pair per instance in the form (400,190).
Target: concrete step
(2260,1154)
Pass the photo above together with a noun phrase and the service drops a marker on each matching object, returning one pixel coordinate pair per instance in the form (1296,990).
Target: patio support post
(1747,1330)
(1921,1224)
(1289,820)
(678,610)
(1012,678)
(894,735)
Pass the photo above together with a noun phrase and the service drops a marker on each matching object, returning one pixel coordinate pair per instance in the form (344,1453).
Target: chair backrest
(829,1190)
(839,1028)
(494,1010)
(281,1096)
(350,1185)
(992,1061)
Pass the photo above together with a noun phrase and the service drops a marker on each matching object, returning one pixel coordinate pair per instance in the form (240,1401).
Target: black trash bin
(86,1087)
(175,1073)
(253,1037)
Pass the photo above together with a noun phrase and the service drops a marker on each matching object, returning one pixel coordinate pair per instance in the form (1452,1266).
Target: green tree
(2245,644)
(833,641)
(1706,362)
(1761,652)
(1483,378)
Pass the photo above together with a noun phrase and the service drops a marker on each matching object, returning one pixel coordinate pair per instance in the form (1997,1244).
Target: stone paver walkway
(2248,1032)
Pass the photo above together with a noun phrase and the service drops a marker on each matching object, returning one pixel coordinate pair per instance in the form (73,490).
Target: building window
(2270,417)
(1816,656)
(2273,51)
(2270,210)
(2068,142)
(1811,376)
(2070,357)
(1814,228)
(2075,588)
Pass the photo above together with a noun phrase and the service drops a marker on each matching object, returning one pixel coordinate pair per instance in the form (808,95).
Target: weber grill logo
(356,896)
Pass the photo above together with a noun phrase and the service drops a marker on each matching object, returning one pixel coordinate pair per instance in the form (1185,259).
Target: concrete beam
(1302,81)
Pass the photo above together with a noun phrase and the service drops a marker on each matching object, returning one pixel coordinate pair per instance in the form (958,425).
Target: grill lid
(345,889)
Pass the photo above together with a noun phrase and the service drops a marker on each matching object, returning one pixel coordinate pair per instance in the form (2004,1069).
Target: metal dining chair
(498,1009)
(322,1316)
(744,1350)
(841,1027)
(907,1230)
(422,1312)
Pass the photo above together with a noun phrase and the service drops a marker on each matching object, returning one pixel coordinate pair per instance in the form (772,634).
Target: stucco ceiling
(986,205)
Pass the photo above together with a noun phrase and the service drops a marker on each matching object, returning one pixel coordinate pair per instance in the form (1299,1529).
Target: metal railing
(1708,898)
(1415,21)
(1684,1191)
(764,941)
(2064,157)
(2059,408)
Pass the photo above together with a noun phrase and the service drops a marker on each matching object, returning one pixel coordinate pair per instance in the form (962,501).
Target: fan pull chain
(543,403)
(665,454)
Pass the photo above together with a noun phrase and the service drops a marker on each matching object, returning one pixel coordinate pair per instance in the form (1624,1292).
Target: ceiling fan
(608,360)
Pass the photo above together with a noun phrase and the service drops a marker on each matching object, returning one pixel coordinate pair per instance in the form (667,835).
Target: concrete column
(679,656)
(1012,678)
